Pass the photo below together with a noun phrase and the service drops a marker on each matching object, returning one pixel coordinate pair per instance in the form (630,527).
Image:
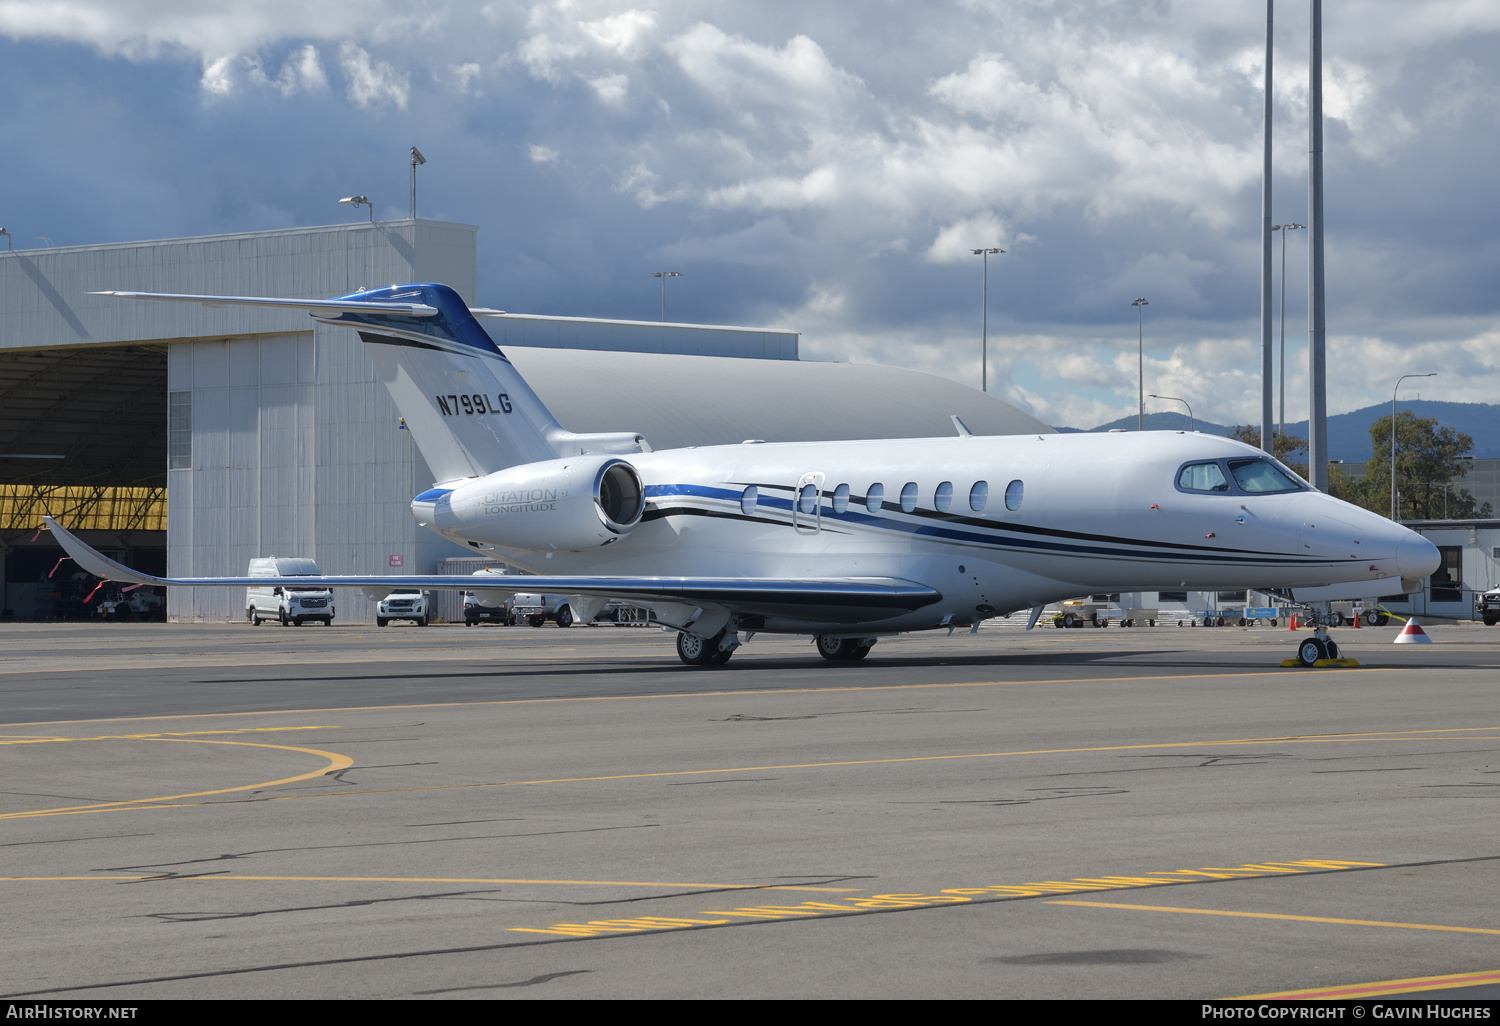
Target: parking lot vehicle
(1489,607)
(290,604)
(405,604)
(538,609)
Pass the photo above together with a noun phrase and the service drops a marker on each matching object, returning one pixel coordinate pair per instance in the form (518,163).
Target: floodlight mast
(416,158)
(1140,362)
(984,320)
(664,275)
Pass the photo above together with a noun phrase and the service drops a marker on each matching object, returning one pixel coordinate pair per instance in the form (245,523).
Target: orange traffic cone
(1292,623)
(1413,634)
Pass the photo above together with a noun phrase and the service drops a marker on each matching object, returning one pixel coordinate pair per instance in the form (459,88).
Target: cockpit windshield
(1202,477)
(1259,477)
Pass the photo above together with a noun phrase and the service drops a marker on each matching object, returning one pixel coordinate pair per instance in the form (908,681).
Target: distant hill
(1349,433)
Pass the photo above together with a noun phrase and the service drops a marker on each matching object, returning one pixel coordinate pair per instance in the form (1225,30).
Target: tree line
(1428,463)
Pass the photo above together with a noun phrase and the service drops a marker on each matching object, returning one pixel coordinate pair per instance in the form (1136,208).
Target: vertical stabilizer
(467,408)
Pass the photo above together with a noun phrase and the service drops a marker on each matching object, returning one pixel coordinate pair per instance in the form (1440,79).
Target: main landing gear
(696,650)
(843,649)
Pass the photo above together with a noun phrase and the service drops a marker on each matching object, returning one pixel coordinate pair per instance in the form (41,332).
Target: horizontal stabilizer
(316,307)
(839,599)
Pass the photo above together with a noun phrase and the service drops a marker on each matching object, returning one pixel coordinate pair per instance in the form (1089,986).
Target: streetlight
(984,320)
(664,275)
(360,201)
(1183,402)
(7,239)
(1283,229)
(1393,434)
(1140,362)
(416,158)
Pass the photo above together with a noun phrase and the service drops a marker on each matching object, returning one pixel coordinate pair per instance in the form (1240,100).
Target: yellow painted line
(20,740)
(1275,915)
(705,694)
(1384,988)
(216,878)
(1310,739)
(336,762)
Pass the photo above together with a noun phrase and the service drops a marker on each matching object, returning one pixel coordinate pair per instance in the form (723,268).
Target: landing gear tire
(1310,651)
(565,617)
(699,651)
(1333,649)
(834,649)
(857,653)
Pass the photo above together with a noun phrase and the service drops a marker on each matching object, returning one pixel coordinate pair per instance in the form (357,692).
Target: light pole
(984,320)
(7,239)
(664,275)
(1140,363)
(1283,229)
(1184,402)
(1393,434)
(416,158)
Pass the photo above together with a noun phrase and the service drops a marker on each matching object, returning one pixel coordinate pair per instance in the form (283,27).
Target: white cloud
(302,72)
(542,154)
(464,75)
(370,82)
(610,88)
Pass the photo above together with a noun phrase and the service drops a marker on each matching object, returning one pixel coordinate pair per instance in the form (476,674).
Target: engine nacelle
(579,502)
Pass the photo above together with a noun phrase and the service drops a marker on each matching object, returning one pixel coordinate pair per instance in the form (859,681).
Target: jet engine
(579,502)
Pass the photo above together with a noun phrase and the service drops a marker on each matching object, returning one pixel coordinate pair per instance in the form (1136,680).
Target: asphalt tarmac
(236,812)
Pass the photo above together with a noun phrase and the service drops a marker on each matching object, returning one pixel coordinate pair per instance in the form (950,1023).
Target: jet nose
(1417,557)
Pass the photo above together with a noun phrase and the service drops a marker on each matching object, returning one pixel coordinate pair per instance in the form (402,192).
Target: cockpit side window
(1202,477)
(1259,477)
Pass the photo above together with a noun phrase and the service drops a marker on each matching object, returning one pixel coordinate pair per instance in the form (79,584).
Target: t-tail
(467,407)
(469,410)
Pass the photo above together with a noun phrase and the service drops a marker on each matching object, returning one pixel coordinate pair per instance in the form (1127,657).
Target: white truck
(287,604)
(405,604)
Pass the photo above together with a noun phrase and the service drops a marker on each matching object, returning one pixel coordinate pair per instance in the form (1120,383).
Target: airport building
(187,440)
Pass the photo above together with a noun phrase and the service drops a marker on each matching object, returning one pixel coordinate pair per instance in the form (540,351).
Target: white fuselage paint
(1098,512)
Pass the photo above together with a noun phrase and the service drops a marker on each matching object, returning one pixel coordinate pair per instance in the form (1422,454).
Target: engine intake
(575,503)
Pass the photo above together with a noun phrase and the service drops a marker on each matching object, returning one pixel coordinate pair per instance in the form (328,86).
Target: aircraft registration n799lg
(846,541)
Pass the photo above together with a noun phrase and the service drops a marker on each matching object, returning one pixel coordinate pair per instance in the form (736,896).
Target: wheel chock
(1344,662)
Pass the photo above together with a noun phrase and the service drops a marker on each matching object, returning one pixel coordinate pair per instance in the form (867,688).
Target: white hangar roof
(676,400)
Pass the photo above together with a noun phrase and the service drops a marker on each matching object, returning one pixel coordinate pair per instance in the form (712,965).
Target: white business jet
(845,541)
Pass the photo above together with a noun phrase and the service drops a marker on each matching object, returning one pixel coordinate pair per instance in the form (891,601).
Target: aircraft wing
(316,307)
(836,599)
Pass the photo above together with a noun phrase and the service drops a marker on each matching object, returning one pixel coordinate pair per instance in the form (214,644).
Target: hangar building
(186,439)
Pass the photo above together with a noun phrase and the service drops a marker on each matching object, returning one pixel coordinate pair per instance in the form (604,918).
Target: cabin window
(979,496)
(1203,477)
(1014,493)
(943,497)
(908,496)
(748,498)
(841,498)
(807,500)
(1259,477)
(874,496)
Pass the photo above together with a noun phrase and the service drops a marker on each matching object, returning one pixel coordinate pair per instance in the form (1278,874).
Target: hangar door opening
(83,438)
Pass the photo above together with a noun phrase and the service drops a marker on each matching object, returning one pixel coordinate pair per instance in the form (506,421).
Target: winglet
(963,429)
(94,562)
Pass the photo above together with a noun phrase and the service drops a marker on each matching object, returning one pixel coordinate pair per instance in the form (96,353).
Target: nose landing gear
(1319,646)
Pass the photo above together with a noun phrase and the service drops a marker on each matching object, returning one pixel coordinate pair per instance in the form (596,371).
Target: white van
(287,604)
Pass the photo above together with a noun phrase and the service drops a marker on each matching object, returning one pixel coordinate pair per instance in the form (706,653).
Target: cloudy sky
(825,167)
